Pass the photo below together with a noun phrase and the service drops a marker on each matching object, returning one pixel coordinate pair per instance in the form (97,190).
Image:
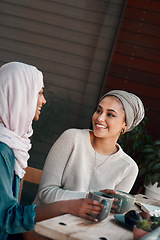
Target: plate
(121,218)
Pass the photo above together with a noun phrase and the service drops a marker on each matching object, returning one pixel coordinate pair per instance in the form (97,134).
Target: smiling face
(109,118)
(40,102)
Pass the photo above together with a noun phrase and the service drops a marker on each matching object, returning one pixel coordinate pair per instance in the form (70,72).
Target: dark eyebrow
(99,106)
(111,110)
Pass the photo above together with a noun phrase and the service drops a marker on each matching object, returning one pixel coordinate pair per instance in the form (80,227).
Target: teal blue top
(14,218)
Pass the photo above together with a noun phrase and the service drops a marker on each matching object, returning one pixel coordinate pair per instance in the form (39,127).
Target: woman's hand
(84,207)
(80,207)
(107,191)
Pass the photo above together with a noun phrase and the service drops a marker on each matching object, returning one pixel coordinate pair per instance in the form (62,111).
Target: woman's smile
(100,126)
(109,118)
(40,102)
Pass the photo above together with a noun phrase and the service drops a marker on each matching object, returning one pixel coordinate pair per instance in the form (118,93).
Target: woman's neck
(103,146)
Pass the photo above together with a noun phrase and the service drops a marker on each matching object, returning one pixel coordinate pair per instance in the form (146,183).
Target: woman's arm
(14,218)
(57,162)
(129,178)
(79,207)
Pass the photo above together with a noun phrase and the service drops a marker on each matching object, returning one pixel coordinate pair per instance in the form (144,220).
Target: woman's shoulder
(7,154)
(5,149)
(73,136)
(74,132)
(128,159)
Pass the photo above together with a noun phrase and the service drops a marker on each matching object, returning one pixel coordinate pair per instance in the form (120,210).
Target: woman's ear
(124,129)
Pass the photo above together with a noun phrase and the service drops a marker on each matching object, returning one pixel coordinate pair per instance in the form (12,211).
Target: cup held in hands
(107,204)
(125,203)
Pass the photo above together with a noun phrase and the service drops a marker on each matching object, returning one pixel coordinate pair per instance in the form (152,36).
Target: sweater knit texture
(68,171)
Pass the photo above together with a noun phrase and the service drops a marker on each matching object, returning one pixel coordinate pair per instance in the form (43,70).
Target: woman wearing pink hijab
(21,100)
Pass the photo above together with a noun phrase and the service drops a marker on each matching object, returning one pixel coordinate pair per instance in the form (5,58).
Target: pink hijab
(19,87)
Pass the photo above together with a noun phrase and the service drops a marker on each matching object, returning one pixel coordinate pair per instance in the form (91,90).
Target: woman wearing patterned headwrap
(84,160)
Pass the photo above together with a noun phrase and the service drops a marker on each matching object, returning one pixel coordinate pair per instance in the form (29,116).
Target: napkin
(151,209)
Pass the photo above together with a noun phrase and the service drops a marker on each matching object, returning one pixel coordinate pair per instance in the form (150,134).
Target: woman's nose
(101,118)
(44,100)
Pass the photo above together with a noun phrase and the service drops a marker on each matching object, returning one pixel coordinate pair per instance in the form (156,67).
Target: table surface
(69,227)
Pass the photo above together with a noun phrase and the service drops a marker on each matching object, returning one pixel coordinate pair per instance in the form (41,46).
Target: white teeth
(39,109)
(101,126)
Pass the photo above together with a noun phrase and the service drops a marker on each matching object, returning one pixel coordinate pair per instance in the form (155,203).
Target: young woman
(21,100)
(83,160)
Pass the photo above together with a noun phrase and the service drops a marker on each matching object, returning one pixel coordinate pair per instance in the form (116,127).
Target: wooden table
(69,227)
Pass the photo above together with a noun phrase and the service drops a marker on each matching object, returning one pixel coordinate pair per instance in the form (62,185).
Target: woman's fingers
(89,217)
(114,206)
(93,203)
(108,191)
(94,208)
(87,207)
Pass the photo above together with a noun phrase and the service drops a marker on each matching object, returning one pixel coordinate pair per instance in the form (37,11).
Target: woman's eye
(98,111)
(110,115)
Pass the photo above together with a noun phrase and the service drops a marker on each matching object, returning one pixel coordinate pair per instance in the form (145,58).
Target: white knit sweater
(68,171)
